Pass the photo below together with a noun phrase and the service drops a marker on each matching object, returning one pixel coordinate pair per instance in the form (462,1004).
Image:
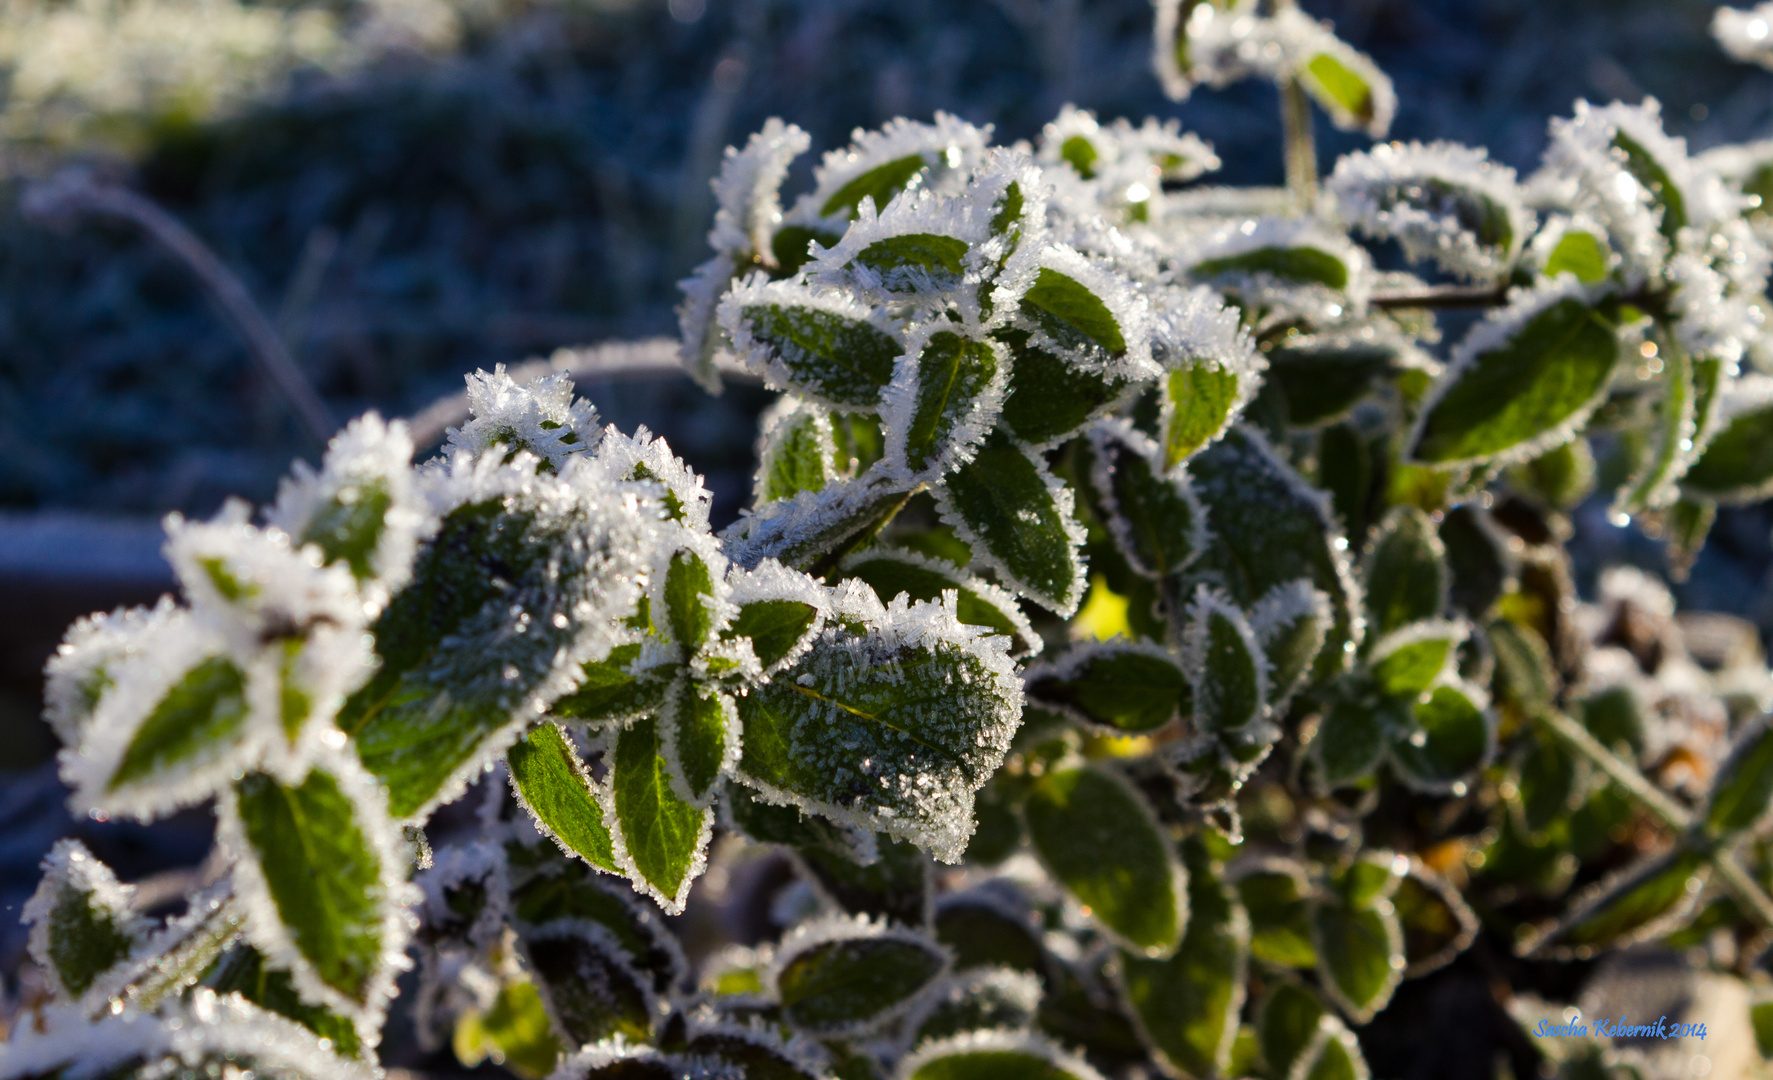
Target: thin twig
(1445,296)
(1673,814)
(1742,885)
(73,193)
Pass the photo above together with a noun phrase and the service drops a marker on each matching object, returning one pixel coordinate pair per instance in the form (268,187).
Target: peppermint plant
(1149,644)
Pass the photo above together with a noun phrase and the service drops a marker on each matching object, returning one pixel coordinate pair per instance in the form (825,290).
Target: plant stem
(1443,296)
(1301,144)
(1742,885)
(73,193)
(186,960)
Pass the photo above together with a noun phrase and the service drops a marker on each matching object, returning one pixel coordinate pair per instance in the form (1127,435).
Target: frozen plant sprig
(1120,556)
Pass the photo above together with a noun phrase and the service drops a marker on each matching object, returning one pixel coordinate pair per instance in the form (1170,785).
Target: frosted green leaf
(547,886)
(775,627)
(1654,178)
(894,729)
(1288,1024)
(687,581)
(1230,672)
(994,1056)
(798,453)
(479,639)
(1561,477)
(890,573)
(554,786)
(1417,658)
(1349,742)
(1743,787)
(1320,380)
(1737,465)
(1101,842)
(940,259)
(1515,388)
(663,836)
(1153,514)
(1290,622)
(1017,518)
(985,932)
(325,877)
(201,715)
(1642,901)
(1343,92)
(1274,895)
(1580,253)
(1071,314)
(846,984)
(1671,440)
(1338,1057)
(1304,265)
(755,1055)
(702,727)
(1360,955)
(792,246)
(1548,780)
(1198,405)
(1407,578)
(1049,398)
(80,918)
(243,970)
(1436,922)
(1448,738)
(880,183)
(1271,528)
(826,355)
(608,693)
(1187,1006)
(943,401)
(349,531)
(590,989)
(1524,675)
(1126,686)
(895,885)
(986,999)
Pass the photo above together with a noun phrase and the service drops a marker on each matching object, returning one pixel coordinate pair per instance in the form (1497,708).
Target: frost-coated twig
(1301,144)
(1736,880)
(1444,296)
(73,193)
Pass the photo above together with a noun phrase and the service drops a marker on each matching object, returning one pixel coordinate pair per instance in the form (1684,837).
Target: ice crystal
(541,417)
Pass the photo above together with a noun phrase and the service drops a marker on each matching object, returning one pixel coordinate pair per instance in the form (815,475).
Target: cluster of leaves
(1122,544)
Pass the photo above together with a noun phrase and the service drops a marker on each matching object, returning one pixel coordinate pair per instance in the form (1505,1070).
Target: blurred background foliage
(417,188)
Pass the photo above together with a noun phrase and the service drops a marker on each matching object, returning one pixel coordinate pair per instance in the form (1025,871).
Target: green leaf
(987,999)
(775,627)
(1198,405)
(243,970)
(687,614)
(1349,742)
(1737,465)
(880,183)
(1343,92)
(1271,528)
(1337,1057)
(81,923)
(982,932)
(1743,787)
(1071,314)
(349,524)
(939,258)
(792,246)
(1188,1005)
(1407,578)
(1290,622)
(1436,921)
(1127,686)
(945,393)
(1549,780)
(557,791)
(547,887)
(325,877)
(663,836)
(701,728)
(892,731)
(1638,903)
(755,1055)
(517,1026)
(587,984)
(996,1057)
(1447,740)
(1547,374)
(1323,378)
(1049,398)
(608,693)
(799,454)
(1615,716)
(492,614)
(1229,669)
(1761,1019)
(1524,675)
(1409,665)
(1288,1023)
(1081,155)
(1650,173)
(1561,477)
(201,716)
(1360,955)
(1305,265)
(852,983)
(823,355)
(1274,893)
(1582,254)
(1152,514)
(1670,452)
(1006,505)
(890,573)
(1101,842)
(895,884)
